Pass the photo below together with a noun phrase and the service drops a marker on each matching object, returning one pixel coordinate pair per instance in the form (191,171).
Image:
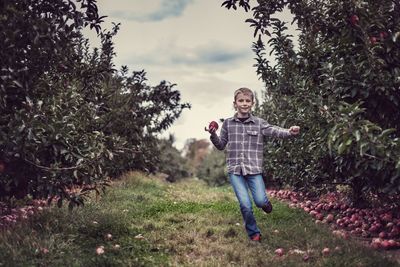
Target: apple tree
(68,118)
(338,79)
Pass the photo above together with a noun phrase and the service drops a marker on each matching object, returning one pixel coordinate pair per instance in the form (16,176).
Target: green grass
(182,224)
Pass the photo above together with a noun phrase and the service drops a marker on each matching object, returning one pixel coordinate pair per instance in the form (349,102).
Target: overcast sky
(202,47)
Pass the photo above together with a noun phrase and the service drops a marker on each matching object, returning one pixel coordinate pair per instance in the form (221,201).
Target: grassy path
(145,222)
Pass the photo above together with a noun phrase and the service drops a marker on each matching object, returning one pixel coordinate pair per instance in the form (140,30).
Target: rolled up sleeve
(274,131)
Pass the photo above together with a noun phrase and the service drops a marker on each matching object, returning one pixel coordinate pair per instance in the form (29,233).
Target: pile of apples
(380,226)
(9,217)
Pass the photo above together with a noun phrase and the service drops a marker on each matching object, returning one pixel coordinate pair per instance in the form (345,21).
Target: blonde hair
(245,91)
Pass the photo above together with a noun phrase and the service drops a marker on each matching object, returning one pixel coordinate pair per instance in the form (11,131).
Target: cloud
(208,56)
(166,9)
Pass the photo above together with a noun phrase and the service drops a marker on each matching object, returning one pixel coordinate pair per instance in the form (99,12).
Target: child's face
(243,103)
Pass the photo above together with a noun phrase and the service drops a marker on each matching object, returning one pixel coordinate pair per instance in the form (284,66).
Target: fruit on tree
(373,40)
(383,35)
(354,20)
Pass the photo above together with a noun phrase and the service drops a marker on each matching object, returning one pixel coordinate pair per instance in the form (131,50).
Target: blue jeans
(241,185)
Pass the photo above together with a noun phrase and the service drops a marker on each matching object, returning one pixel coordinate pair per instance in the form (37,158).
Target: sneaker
(267,208)
(256,237)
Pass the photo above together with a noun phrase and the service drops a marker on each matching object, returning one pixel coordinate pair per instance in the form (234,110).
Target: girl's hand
(294,130)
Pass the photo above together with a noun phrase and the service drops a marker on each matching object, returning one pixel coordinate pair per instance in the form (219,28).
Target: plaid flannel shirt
(244,143)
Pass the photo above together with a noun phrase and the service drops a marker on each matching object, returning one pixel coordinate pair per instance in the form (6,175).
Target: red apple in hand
(213,126)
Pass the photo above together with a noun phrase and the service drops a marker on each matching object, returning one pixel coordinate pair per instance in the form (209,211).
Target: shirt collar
(249,119)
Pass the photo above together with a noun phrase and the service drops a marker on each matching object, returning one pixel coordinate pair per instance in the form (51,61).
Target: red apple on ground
(392,243)
(326,251)
(365,234)
(385,244)
(395,232)
(279,252)
(382,235)
(108,236)
(387,217)
(329,218)
(319,216)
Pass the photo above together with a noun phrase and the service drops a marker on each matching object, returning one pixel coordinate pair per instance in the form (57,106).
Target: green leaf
(388,131)
(349,141)
(398,165)
(17,83)
(357,135)
(363,148)
(341,148)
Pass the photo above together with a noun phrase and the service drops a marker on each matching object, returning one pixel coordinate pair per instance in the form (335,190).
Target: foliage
(364,148)
(341,84)
(195,151)
(68,117)
(213,168)
(171,161)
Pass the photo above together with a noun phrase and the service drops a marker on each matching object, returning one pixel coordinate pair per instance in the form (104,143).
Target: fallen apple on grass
(347,221)
(100,250)
(326,251)
(279,252)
